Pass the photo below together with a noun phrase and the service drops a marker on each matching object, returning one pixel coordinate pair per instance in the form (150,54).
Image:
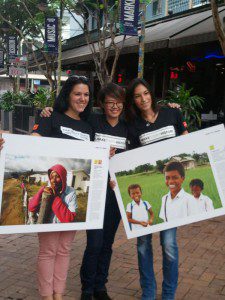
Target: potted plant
(7,106)
(24,110)
(190,105)
(42,98)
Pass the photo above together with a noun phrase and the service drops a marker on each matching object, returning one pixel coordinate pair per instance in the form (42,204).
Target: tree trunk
(218,25)
(13,83)
(50,81)
(59,51)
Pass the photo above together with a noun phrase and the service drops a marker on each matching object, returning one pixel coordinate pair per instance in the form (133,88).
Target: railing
(7,120)
(23,119)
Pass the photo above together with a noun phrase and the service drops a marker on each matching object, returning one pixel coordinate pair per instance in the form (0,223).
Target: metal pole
(141,52)
(166,7)
(19,54)
(59,69)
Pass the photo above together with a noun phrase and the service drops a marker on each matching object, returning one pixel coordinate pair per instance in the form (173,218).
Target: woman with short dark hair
(110,128)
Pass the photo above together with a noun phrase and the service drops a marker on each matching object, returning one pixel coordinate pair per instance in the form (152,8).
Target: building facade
(161,8)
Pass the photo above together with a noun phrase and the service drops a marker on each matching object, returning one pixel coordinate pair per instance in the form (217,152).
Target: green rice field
(153,187)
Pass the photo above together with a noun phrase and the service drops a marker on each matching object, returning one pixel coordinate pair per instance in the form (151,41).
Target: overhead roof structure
(181,31)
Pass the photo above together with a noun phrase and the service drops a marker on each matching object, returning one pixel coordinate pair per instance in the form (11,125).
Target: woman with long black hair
(149,123)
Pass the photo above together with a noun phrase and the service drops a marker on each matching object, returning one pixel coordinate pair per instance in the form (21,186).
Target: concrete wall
(5,85)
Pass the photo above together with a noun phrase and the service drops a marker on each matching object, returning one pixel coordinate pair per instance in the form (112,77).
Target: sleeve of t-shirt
(43,127)
(181,124)
(128,208)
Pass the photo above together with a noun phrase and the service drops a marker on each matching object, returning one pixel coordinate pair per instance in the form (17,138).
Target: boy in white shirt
(177,203)
(137,210)
(204,203)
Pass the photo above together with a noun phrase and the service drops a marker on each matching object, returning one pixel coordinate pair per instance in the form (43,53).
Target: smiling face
(112,107)
(142,98)
(196,191)
(136,194)
(174,181)
(55,181)
(79,98)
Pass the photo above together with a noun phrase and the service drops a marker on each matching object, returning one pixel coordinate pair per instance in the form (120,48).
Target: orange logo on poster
(35,127)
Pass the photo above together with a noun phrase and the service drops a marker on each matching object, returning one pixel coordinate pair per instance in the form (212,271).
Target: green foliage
(43,98)
(30,24)
(190,105)
(201,159)
(8,101)
(160,164)
(24,98)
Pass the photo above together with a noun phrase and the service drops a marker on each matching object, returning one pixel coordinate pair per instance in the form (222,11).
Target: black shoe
(101,295)
(86,296)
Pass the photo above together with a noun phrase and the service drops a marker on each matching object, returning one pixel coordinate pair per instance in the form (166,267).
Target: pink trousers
(53,261)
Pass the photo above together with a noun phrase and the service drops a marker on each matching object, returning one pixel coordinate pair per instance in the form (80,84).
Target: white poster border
(60,148)
(206,137)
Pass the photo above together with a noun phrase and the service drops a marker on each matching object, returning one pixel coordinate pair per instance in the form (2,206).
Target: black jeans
(96,260)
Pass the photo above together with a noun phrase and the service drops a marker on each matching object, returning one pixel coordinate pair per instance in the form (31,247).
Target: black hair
(197,182)
(133,186)
(175,166)
(113,90)
(131,110)
(61,103)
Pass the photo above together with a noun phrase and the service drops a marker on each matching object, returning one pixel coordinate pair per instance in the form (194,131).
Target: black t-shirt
(116,136)
(62,126)
(169,123)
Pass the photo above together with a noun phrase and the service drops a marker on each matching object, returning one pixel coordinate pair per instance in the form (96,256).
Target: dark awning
(181,31)
(200,31)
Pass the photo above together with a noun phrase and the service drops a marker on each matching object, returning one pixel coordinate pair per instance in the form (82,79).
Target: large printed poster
(171,183)
(51,184)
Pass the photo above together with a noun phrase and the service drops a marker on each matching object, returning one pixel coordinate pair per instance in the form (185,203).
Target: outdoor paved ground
(202,264)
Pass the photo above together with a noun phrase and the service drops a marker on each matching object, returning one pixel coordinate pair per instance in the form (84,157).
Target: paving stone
(201,265)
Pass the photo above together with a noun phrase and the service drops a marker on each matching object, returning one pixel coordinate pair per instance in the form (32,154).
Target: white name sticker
(157,135)
(114,141)
(76,134)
